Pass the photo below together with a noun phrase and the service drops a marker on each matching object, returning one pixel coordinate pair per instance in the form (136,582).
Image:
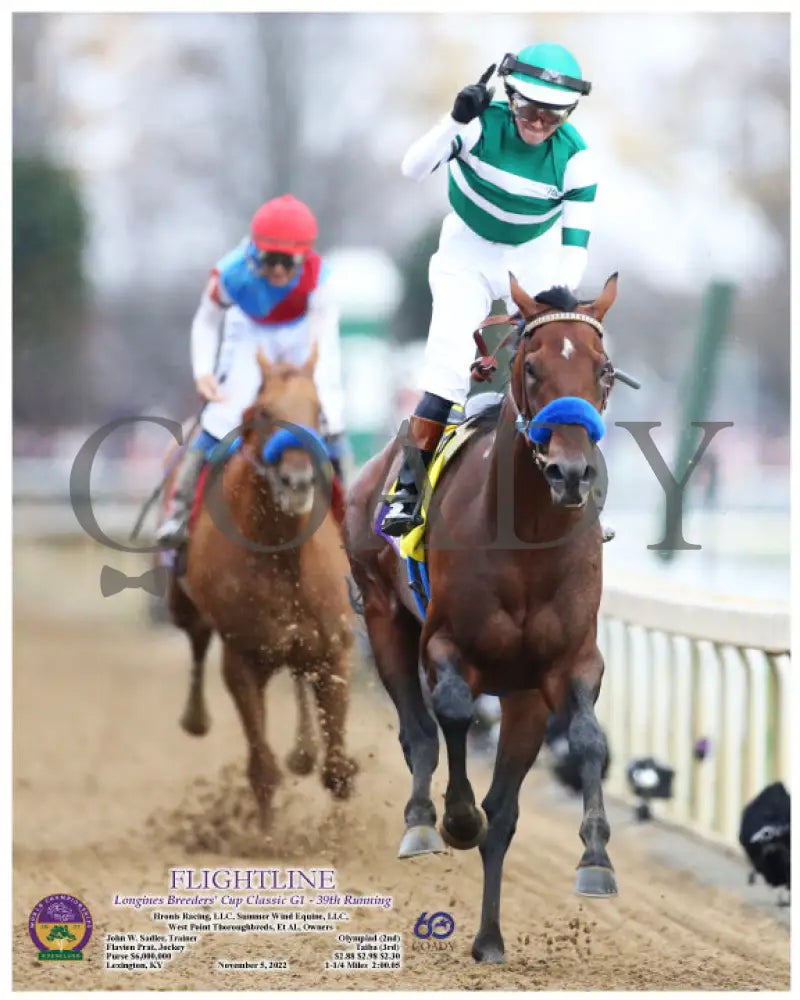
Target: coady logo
(439,925)
(432,931)
(60,926)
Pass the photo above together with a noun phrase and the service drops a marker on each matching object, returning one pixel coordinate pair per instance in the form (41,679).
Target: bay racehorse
(265,569)
(511,612)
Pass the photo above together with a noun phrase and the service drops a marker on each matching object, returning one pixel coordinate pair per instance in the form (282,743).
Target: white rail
(686,668)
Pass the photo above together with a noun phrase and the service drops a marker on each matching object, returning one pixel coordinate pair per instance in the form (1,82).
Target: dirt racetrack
(109,793)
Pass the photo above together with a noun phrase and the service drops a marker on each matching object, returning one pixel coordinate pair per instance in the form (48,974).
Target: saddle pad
(199,489)
(412,544)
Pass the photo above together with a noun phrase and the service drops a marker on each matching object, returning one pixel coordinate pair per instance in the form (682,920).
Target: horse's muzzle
(294,489)
(570,480)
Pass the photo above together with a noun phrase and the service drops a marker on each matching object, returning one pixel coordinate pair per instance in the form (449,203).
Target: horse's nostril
(568,475)
(295,481)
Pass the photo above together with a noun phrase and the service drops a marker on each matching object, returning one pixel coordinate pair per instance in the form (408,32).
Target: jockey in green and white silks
(522,186)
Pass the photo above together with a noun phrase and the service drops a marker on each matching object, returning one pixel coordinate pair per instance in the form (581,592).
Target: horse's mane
(487,419)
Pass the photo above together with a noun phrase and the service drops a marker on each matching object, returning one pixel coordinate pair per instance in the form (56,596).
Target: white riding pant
(467,273)
(285,342)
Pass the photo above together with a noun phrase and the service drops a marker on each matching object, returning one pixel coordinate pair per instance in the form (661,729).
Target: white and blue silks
(226,338)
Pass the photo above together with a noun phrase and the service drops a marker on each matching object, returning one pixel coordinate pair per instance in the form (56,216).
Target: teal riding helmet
(545,73)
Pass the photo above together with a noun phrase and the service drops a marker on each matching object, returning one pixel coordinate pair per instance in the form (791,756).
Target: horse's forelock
(558,297)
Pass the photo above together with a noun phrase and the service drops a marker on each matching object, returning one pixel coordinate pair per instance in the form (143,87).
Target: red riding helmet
(284,225)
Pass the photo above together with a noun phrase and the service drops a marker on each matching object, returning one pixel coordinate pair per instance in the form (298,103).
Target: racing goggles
(275,258)
(530,111)
(510,64)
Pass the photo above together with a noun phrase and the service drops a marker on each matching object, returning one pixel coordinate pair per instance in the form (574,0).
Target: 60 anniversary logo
(439,925)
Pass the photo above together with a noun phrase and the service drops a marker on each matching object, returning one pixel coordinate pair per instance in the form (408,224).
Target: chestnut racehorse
(511,612)
(265,569)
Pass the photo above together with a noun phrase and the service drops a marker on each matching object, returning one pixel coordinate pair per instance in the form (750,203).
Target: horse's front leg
(195,719)
(394,638)
(463,824)
(522,727)
(245,680)
(588,743)
(330,682)
(302,756)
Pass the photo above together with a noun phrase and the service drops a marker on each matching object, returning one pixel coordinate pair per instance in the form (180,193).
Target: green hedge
(49,287)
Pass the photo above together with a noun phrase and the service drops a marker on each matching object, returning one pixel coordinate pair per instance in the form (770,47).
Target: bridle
(606,370)
(264,458)
(484,368)
(524,420)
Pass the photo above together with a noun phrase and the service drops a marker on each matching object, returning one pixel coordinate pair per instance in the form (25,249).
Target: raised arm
(580,188)
(456,131)
(443,142)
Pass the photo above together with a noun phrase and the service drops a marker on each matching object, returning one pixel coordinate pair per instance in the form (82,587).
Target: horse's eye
(531,371)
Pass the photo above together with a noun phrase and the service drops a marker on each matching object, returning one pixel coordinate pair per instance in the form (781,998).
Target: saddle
(462,424)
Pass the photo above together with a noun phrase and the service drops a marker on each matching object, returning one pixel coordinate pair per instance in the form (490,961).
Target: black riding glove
(474,99)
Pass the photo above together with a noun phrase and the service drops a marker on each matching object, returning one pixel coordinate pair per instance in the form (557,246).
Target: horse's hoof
(596,881)
(489,956)
(489,952)
(339,777)
(195,723)
(300,762)
(420,840)
(340,786)
(463,843)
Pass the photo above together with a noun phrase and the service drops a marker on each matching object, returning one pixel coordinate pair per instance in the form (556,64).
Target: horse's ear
(263,362)
(605,300)
(526,305)
(249,416)
(311,361)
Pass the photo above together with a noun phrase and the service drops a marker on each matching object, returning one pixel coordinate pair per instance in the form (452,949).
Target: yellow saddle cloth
(412,544)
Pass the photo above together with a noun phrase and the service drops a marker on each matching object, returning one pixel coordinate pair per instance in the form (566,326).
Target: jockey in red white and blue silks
(272,291)
(243,300)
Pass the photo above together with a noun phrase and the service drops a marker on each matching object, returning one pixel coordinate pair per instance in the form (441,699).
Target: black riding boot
(404,502)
